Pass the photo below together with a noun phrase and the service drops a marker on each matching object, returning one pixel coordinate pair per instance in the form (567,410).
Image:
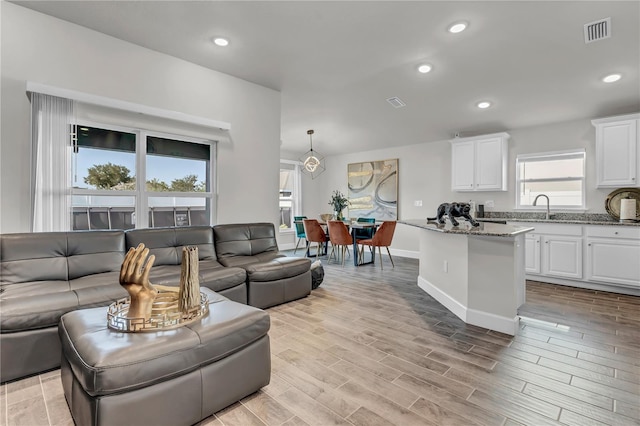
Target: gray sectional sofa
(45,275)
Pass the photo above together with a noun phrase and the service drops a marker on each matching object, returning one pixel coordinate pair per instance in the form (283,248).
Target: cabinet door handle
(589,244)
(546,242)
(616,232)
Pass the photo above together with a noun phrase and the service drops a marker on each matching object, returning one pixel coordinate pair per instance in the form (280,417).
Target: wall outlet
(417,203)
(445,266)
(489,204)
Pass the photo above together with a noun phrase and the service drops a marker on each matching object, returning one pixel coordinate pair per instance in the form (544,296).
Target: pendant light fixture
(312,161)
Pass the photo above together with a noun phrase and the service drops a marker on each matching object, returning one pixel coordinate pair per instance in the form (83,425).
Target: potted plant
(338,202)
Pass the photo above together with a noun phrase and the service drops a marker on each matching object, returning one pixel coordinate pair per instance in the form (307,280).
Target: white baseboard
(447,301)
(405,253)
(613,288)
(471,316)
(494,322)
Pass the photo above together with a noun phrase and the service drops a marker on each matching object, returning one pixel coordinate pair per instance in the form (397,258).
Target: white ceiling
(336,63)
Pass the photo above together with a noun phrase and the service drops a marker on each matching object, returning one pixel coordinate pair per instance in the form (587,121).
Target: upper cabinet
(479,163)
(617,152)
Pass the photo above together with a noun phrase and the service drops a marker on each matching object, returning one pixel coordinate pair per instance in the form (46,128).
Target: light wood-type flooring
(370,348)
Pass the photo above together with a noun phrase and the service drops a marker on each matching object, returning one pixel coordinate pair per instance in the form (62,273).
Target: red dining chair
(315,233)
(382,238)
(340,238)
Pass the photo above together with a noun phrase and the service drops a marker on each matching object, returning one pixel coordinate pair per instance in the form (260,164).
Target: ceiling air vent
(597,30)
(396,102)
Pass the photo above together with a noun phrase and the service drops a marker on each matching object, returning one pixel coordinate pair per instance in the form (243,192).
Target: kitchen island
(475,272)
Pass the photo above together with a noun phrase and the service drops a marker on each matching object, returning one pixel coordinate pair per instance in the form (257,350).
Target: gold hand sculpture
(134,277)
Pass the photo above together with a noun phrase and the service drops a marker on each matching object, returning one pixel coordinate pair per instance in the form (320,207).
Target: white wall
(424,173)
(39,48)
(554,137)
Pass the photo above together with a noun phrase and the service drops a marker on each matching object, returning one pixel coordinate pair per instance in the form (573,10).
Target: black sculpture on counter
(452,211)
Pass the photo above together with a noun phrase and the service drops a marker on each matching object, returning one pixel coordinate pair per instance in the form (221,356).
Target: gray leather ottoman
(278,281)
(173,377)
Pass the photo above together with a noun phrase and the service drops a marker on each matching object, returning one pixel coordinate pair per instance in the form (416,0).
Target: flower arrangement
(339,202)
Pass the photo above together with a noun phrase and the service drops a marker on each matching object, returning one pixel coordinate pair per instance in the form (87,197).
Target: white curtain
(52,121)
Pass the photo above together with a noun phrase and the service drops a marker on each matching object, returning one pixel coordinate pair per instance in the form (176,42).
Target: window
(127,178)
(558,175)
(289,194)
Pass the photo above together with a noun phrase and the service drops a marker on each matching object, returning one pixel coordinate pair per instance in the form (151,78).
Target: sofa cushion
(98,289)
(39,256)
(209,264)
(32,257)
(35,311)
(222,278)
(40,304)
(243,241)
(212,275)
(166,243)
(277,269)
(170,274)
(165,274)
(106,361)
(244,261)
(94,252)
(96,280)
(35,288)
(103,295)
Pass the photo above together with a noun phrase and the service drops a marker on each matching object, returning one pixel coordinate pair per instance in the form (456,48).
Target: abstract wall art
(373,189)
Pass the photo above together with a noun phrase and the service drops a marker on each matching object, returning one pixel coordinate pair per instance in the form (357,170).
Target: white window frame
(548,156)
(144,205)
(141,195)
(296,199)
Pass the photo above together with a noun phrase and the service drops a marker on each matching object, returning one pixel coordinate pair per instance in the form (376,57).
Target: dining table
(353,226)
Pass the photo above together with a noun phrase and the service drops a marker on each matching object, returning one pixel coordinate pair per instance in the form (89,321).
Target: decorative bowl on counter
(612,203)
(326,217)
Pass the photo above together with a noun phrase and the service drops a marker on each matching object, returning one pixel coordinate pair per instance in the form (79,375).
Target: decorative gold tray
(612,203)
(165,314)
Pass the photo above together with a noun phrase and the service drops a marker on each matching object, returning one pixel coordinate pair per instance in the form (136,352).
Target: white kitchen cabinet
(562,256)
(617,152)
(603,257)
(462,166)
(479,163)
(553,250)
(532,254)
(613,255)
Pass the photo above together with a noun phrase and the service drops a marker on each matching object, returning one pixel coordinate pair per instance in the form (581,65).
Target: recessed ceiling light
(483,104)
(611,78)
(424,68)
(220,41)
(458,27)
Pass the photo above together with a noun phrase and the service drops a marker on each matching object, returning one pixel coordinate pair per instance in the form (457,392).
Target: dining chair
(300,234)
(365,233)
(382,238)
(314,233)
(340,238)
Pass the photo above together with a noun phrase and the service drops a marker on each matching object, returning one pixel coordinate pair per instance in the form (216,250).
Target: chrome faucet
(535,201)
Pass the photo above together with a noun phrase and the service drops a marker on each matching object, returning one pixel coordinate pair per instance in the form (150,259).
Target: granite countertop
(568,218)
(552,220)
(486,229)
